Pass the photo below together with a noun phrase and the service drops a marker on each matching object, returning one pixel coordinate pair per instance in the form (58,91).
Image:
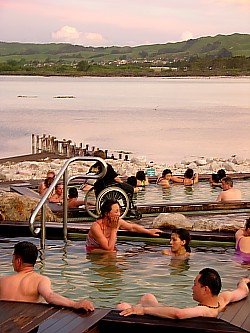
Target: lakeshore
(35,166)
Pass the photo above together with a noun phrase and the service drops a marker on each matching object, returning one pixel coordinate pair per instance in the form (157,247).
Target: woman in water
(242,237)
(179,243)
(103,233)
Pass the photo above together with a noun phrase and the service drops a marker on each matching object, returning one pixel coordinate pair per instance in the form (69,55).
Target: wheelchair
(93,204)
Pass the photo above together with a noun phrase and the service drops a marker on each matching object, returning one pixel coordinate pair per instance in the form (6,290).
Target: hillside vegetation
(202,53)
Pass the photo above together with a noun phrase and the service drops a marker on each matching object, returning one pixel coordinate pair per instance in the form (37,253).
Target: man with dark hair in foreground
(206,291)
(29,286)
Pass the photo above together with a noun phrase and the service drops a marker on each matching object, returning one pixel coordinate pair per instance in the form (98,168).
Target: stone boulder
(16,207)
(171,221)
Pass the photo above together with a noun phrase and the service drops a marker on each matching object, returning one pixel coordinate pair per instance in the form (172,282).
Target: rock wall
(16,207)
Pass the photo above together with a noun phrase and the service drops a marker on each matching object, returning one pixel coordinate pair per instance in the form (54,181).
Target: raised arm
(239,293)
(138,228)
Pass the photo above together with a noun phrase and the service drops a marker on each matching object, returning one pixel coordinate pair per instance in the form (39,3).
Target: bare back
(230,195)
(21,287)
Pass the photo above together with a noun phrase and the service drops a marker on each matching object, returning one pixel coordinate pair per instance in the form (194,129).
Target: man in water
(206,291)
(228,192)
(29,286)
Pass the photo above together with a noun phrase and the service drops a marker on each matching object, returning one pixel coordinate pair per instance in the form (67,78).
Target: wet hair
(247,224)
(140,175)
(184,235)
(166,172)
(132,181)
(73,193)
(215,178)
(107,206)
(228,181)
(189,173)
(27,251)
(221,173)
(210,278)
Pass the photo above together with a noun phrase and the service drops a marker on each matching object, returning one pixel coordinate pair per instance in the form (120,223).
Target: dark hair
(48,181)
(73,193)
(211,278)
(132,181)
(215,178)
(189,173)
(140,175)
(107,206)
(184,235)
(27,252)
(228,181)
(221,173)
(247,224)
(166,172)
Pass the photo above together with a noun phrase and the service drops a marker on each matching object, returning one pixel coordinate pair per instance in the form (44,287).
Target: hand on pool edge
(137,310)
(155,232)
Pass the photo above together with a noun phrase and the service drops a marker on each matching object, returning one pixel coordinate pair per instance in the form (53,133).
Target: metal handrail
(63,172)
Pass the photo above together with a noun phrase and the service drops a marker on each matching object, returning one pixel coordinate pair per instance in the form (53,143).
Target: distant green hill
(220,45)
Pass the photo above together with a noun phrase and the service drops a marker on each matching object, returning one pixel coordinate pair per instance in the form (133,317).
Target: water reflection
(178,265)
(107,273)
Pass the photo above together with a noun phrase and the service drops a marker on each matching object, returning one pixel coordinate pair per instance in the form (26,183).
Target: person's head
(51,174)
(140,175)
(151,164)
(73,193)
(221,173)
(100,153)
(110,211)
(167,174)
(48,181)
(132,181)
(207,282)
(189,173)
(226,183)
(26,251)
(59,188)
(215,178)
(247,225)
(180,237)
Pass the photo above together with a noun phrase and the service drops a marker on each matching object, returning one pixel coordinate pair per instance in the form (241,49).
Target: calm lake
(164,119)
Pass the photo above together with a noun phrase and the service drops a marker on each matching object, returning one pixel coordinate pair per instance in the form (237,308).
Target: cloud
(71,35)
(186,35)
(66,34)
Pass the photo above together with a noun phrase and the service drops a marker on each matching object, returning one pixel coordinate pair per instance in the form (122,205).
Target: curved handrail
(63,172)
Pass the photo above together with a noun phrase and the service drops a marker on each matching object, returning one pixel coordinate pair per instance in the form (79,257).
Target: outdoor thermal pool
(137,268)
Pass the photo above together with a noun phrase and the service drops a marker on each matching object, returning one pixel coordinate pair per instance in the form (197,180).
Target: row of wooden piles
(50,144)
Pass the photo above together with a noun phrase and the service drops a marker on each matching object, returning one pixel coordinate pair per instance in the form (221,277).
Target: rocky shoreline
(35,168)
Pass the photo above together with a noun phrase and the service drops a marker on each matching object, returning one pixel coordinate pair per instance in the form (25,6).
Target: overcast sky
(116,22)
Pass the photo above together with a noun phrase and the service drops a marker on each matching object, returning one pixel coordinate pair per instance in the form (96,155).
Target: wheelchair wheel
(115,193)
(90,203)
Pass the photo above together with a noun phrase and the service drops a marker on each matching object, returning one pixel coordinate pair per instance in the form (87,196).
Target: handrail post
(41,205)
(65,205)
(43,229)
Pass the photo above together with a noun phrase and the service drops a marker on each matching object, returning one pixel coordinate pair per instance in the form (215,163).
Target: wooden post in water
(43,143)
(37,144)
(33,144)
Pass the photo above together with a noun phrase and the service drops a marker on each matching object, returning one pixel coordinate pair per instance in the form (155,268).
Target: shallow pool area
(177,193)
(137,268)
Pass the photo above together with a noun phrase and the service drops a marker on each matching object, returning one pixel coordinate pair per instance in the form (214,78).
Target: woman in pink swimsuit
(103,233)
(242,237)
